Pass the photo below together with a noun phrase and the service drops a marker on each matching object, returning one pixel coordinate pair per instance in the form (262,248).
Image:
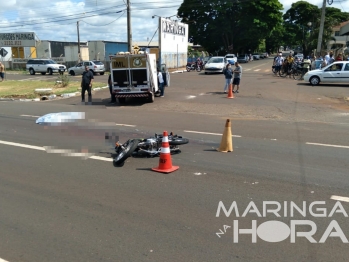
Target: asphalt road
(290,144)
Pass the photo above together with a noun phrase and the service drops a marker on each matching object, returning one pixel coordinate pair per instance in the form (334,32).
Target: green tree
(230,26)
(297,32)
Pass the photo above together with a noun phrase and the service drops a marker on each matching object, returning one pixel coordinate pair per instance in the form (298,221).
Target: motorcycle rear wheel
(126,152)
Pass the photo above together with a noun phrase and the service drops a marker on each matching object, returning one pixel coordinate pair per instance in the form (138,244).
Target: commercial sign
(19,60)
(17,39)
(173,38)
(173,27)
(58,60)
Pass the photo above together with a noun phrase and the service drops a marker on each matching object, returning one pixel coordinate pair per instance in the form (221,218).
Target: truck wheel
(72,73)
(49,71)
(43,73)
(102,73)
(121,100)
(31,71)
(151,97)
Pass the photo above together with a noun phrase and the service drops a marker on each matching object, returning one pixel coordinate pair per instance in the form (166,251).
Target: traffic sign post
(3,52)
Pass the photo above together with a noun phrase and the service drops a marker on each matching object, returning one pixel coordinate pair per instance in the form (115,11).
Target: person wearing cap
(2,71)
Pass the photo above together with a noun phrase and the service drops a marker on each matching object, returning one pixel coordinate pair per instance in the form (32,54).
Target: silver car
(94,66)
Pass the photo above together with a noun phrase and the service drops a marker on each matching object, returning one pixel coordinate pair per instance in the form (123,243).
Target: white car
(94,66)
(337,72)
(44,66)
(216,64)
(231,57)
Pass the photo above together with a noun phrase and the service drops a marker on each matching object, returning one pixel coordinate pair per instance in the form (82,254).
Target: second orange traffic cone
(227,141)
(165,162)
(230,92)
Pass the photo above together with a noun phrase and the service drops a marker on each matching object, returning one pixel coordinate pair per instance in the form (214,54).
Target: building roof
(338,27)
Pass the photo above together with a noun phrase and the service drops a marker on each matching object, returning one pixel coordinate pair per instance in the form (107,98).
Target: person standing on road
(237,77)
(86,84)
(112,96)
(228,73)
(2,71)
(278,63)
(161,83)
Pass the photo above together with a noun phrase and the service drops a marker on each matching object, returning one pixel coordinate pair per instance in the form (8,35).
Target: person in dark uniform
(112,96)
(86,84)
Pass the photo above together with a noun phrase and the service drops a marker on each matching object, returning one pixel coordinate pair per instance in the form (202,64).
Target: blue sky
(99,19)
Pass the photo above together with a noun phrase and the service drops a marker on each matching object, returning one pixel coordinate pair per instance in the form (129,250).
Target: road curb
(49,97)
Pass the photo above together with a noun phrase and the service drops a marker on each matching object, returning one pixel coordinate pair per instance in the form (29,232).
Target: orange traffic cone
(165,162)
(227,141)
(230,92)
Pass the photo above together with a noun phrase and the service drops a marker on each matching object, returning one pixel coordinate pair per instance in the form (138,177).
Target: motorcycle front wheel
(125,152)
(188,68)
(178,141)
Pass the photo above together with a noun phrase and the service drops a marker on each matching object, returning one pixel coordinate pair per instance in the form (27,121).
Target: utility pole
(321,30)
(77,24)
(129,31)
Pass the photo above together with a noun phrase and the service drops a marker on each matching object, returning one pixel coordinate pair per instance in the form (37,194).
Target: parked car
(216,64)
(338,72)
(256,57)
(44,66)
(243,59)
(94,66)
(264,55)
(231,57)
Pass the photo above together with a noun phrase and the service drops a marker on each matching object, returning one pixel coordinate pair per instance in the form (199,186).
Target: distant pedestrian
(339,57)
(161,83)
(228,73)
(86,84)
(112,96)
(278,62)
(237,77)
(2,71)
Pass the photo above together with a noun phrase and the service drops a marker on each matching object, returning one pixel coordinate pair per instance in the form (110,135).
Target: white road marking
(30,116)
(125,125)
(43,149)
(257,70)
(101,158)
(247,69)
(3,260)
(22,145)
(328,145)
(339,198)
(206,133)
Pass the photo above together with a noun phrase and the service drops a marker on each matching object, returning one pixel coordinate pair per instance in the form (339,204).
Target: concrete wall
(174,60)
(96,50)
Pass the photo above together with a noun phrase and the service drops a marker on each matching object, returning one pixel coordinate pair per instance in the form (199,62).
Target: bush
(62,80)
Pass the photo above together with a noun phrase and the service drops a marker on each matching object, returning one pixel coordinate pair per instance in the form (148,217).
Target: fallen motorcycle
(150,147)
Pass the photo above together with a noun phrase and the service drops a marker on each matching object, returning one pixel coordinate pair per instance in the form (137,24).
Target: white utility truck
(134,75)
